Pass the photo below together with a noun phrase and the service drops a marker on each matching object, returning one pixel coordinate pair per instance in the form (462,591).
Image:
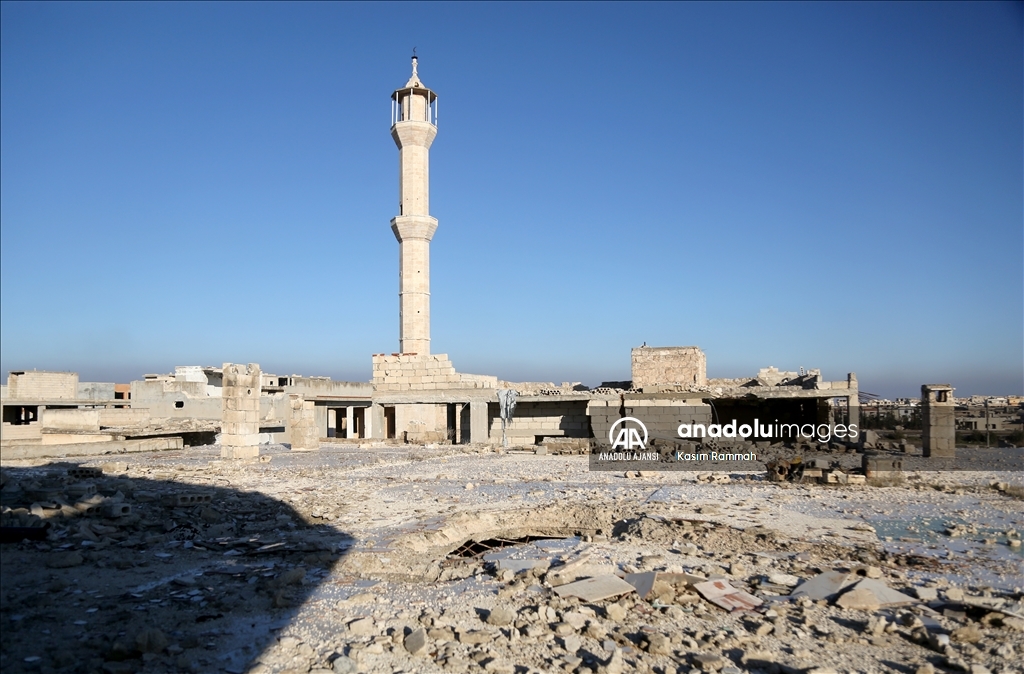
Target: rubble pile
(303,562)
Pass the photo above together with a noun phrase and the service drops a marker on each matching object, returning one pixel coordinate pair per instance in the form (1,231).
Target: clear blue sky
(811,184)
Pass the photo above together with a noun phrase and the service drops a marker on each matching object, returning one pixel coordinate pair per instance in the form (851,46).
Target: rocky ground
(402,559)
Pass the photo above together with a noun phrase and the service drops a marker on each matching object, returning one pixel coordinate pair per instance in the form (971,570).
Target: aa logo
(629,434)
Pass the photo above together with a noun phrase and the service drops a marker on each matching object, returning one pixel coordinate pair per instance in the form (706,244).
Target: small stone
(344,665)
(709,662)
(362,627)
(576,619)
(469,486)
(967,635)
(416,642)
(926,668)
(938,642)
(737,570)
(1013,623)
(563,629)
(926,593)
(289,643)
(615,612)
(784,579)
(858,599)
(572,643)
(616,663)
(501,616)
(979,669)
(870,571)
(474,637)
(151,641)
(954,594)
(659,644)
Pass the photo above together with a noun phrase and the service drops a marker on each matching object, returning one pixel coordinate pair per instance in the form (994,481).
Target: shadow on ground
(142,575)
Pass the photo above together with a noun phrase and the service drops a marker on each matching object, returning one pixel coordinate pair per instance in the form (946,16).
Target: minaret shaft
(413,133)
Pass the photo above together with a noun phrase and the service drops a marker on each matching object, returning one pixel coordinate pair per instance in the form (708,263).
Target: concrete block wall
(70,420)
(566,418)
(161,398)
(661,417)
(422,422)
(240,411)
(123,416)
(42,385)
(418,372)
(303,430)
(95,390)
(682,365)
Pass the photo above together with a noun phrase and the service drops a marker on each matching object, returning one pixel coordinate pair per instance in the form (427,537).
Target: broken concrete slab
(722,594)
(825,585)
(870,594)
(595,589)
(643,583)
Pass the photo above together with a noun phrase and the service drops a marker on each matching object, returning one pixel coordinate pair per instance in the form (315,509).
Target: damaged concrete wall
(564,418)
(303,431)
(422,422)
(123,416)
(668,365)
(309,387)
(42,385)
(70,420)
(417,372)
(240,418)
(661,416)
(95,390)
(175,399)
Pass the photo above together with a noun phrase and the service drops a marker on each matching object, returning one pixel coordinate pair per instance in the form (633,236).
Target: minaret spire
(414,126)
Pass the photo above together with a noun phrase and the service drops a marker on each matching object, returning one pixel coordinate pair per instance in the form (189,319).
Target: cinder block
(116,509)
(184,500)
(84,472)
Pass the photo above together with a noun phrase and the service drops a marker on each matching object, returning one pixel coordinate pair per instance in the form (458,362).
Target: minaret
(413,126)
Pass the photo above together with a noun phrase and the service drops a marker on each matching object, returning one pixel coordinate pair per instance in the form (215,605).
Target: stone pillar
(375,426)
(853,405)
(350,422)
(413,130)
(302,427)
(240,411)
(332,423)
(478,427)
(938,421)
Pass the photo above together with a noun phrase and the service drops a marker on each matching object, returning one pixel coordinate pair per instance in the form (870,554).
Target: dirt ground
(414,559)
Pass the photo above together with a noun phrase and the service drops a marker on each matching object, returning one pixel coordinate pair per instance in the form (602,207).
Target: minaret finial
(414,80)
